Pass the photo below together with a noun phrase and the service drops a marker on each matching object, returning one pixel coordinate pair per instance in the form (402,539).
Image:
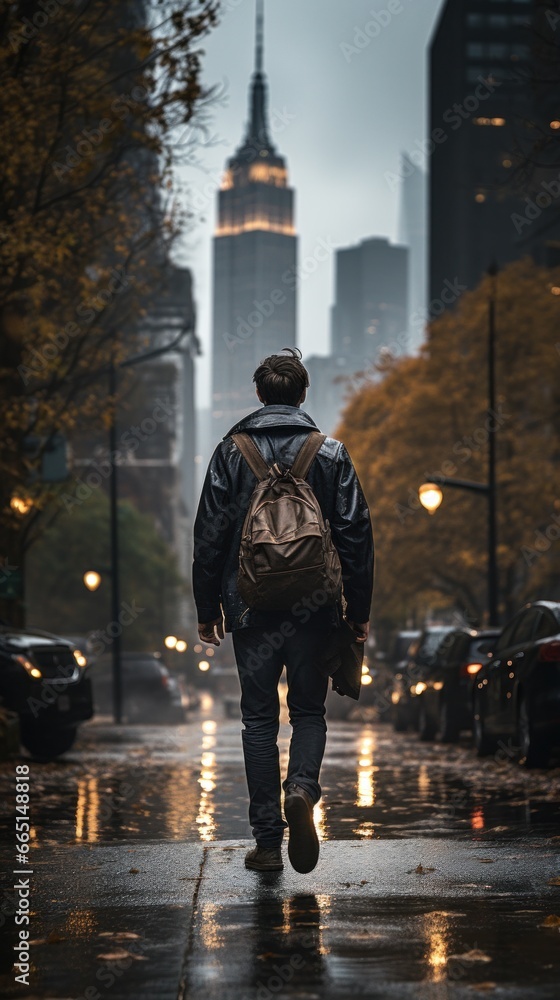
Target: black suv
(445,690)
(516,699)
(407,682)
(150,692)
(44,680)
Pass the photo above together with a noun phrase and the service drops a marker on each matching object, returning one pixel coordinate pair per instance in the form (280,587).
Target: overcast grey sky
(341,114)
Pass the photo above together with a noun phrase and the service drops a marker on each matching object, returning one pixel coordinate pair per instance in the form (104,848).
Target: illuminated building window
(266,174)
(496,122)
(251,225)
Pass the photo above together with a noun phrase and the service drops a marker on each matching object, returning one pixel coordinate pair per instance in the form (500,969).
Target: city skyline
(328,146)
(255,258)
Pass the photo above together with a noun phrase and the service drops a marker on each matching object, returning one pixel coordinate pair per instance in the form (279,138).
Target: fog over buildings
(347,97)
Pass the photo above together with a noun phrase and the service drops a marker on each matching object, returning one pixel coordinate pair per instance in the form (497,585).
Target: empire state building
(255,253)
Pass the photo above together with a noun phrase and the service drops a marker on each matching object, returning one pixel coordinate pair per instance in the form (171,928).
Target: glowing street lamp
(430,495)
(180,645)
(170,642)
(204,666)
(21,505)
(92,579)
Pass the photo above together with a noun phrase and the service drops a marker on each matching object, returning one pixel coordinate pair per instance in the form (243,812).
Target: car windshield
(479,648)
(403,645)
(432,641)
(141,666)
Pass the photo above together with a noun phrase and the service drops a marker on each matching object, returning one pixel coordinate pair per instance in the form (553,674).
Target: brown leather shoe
(264,859)
(303,845)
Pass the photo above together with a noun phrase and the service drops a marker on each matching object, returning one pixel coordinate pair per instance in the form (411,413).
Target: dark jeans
(261,653)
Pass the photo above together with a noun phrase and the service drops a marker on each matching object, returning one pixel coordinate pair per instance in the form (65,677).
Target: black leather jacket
(279,432)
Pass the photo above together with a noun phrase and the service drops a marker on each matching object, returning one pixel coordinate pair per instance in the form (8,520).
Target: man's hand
(362,631)
(211,632)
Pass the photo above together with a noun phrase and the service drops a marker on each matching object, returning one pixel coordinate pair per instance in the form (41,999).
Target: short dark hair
(282,378)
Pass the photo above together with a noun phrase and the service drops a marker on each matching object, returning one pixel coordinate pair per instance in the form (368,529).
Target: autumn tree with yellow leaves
(429,415)
(98,99)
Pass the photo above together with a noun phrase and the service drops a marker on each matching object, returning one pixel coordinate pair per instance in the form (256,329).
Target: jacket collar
(276,415)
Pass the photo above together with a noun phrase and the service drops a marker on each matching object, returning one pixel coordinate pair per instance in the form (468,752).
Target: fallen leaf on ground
(553,881)
(474,955)
(119,954)
(125,935)
(483,987)
(133,871)
(553,920)
(54,938)
(486,861)
(420,870)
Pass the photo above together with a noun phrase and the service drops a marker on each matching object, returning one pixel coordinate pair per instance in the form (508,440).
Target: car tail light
(549,652)
(471,669)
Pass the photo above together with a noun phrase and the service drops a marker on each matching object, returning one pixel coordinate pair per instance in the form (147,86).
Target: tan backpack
(286,550)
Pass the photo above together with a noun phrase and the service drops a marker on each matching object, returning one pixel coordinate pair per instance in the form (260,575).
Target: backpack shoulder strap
(306,454)
(252,455)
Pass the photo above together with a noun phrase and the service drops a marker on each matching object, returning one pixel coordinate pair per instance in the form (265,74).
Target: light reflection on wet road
(188,783)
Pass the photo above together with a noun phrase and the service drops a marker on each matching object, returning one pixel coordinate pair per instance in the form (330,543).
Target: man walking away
(283,549)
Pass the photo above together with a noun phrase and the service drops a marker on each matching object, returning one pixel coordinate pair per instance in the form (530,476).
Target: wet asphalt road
(436,876)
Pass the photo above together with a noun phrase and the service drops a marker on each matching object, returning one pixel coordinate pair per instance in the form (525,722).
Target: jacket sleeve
(353,539)
(212,529)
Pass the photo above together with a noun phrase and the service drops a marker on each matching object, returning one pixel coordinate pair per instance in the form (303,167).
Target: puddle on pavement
(323,948)
(188,783)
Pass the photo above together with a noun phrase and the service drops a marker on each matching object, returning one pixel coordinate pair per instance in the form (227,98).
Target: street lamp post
(492,526)
(430,493)
(431,497)
(114,558)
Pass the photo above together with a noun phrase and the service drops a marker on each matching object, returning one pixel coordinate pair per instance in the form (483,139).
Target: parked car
(408,678)
(516,698)
(399,648)
(150,692)
(445,690)
(44,680)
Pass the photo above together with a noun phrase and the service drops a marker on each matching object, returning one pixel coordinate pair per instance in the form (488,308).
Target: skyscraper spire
(257,139)
(259,37)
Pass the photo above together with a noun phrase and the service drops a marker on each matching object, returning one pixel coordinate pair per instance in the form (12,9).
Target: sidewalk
(187,920)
